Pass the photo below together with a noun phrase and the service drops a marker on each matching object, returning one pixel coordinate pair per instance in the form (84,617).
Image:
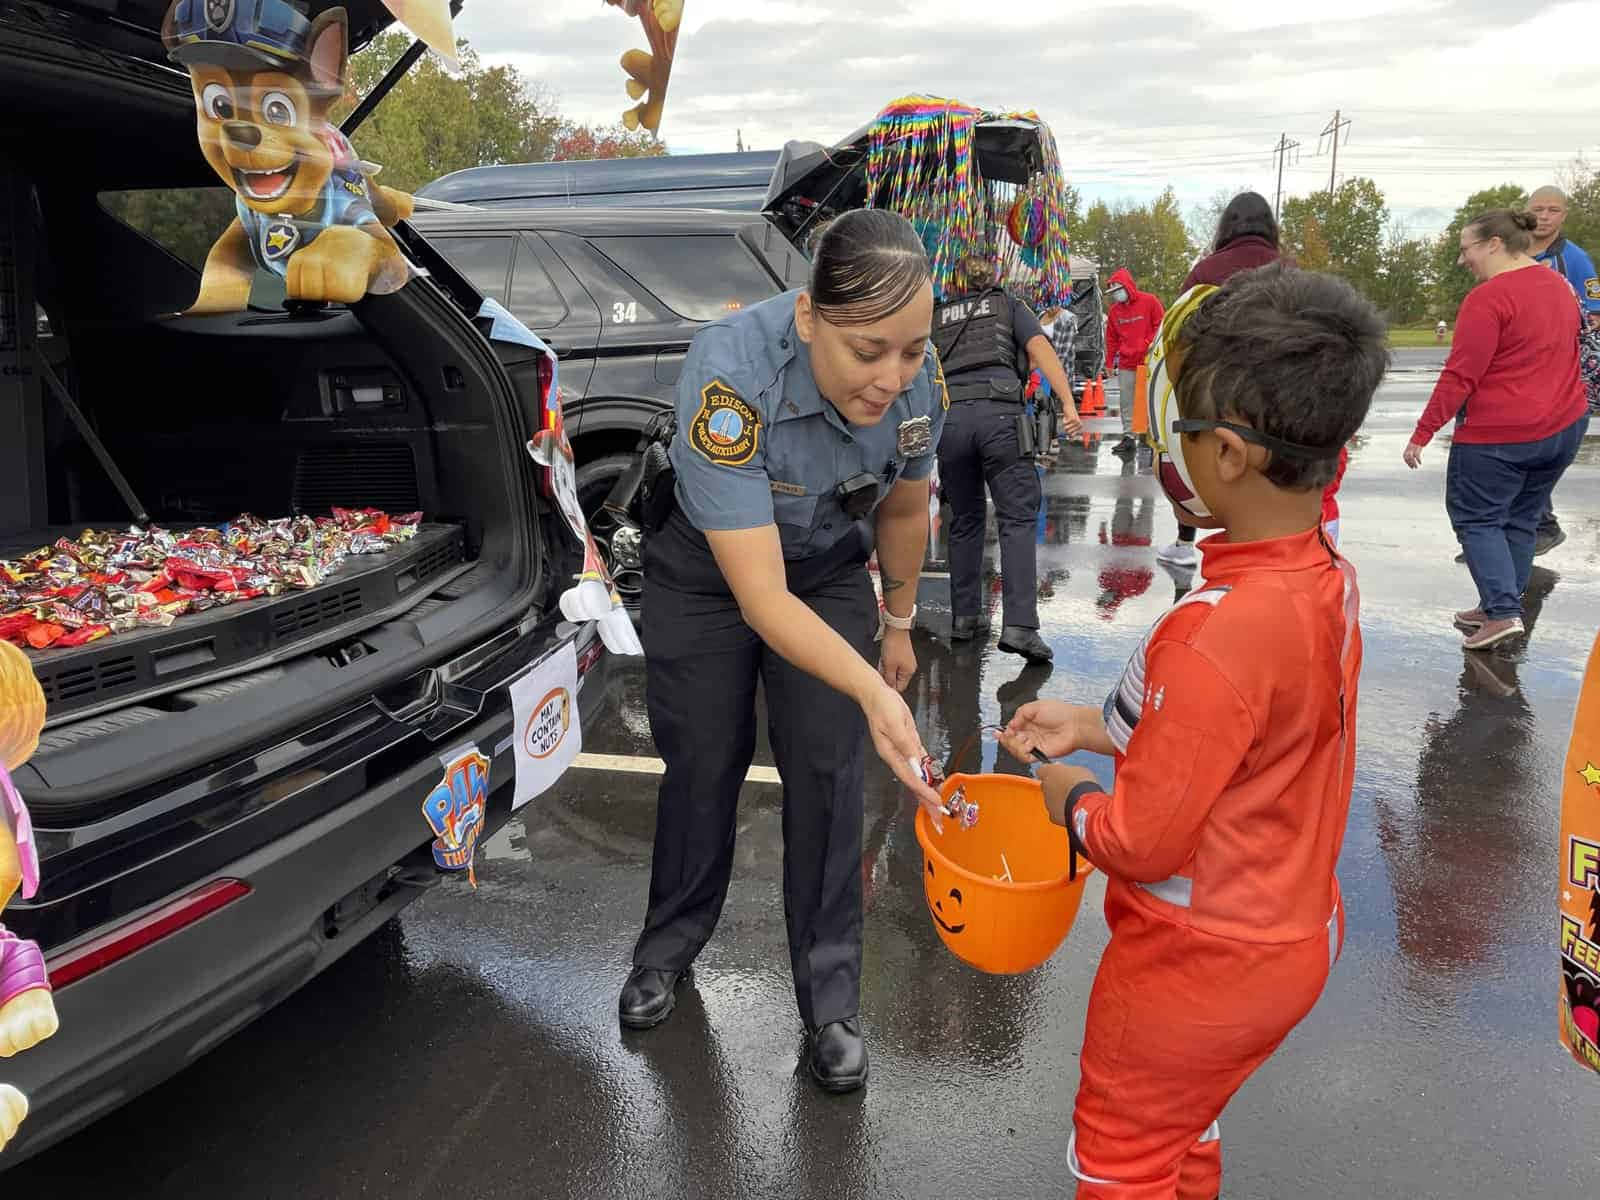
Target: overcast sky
(1445,97)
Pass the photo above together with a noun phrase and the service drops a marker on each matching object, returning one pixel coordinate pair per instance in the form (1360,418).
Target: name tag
(788,489)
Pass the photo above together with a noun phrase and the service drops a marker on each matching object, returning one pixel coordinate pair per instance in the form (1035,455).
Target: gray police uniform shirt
(757,444)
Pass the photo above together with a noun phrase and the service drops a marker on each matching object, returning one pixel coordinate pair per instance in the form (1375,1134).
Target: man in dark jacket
(1131,325)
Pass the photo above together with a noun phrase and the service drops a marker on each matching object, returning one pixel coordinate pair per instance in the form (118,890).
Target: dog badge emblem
(915,438)
(219,15)
(279,239)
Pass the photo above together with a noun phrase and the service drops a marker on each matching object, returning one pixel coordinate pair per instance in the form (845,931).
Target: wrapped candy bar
(106,582)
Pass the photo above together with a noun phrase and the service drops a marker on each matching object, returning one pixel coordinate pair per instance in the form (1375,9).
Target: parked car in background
(619,294)
(736,182)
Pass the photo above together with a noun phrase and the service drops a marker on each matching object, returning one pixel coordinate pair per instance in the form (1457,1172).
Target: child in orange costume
(1233,728)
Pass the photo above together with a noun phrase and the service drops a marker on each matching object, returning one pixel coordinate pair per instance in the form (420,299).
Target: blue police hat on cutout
(237,33)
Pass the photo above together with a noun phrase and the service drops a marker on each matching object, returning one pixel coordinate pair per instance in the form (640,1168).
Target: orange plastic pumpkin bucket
(999,892)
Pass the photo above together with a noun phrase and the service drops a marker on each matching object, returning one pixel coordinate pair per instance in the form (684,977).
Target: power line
(1282,151)
(1332,129)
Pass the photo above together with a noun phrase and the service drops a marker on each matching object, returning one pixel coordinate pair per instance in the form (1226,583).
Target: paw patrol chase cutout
(265,77)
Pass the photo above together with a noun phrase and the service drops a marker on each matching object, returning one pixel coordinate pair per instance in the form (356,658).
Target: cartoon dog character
(264,78)
(27,1012)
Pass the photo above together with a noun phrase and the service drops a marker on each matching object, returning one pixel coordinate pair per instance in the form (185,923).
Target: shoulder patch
(1591,288)
(725,429)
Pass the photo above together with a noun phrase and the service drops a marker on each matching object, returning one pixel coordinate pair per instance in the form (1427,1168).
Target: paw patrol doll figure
(265,76)
(27,1014)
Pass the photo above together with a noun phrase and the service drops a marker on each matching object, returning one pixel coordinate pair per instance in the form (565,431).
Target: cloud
(1445,98)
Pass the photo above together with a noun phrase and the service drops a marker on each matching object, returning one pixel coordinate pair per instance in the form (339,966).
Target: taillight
(549,393)
(134,936)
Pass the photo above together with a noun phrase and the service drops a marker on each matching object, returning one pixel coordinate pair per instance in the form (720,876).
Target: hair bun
(1525,220)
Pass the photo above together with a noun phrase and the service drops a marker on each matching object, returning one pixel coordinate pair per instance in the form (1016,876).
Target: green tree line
(1349,232)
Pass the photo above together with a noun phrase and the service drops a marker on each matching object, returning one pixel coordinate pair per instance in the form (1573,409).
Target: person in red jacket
(1131,325)
(1511,385)
(1233,729)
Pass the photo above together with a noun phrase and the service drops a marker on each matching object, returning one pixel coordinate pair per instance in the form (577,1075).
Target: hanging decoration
(922,162)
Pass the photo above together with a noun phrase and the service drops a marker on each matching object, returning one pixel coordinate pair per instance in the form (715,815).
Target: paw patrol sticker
(725,429)
(545,727)
(455,810)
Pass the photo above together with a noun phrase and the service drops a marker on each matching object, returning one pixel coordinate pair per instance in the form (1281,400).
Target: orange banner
(1579,1005)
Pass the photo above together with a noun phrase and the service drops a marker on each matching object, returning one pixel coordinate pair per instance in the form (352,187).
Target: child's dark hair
(1514,229)
(1294,354)
(868,263)
(1248,214)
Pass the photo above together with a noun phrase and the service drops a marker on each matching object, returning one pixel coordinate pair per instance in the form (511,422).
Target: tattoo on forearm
(890,585)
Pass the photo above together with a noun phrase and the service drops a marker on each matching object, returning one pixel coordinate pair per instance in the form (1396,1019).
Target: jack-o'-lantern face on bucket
(944,903)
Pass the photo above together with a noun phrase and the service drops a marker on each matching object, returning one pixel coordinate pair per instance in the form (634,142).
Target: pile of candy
(102,583)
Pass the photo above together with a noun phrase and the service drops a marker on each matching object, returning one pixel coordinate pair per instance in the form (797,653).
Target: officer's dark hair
(1513,228)
(1247,214)
(868,263)
(1294,354)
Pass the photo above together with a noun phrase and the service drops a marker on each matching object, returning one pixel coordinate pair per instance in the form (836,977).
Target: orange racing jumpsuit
(1235,729)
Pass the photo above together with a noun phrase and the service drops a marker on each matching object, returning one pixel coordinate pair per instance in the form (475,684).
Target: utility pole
(1333,128)
(1282,151)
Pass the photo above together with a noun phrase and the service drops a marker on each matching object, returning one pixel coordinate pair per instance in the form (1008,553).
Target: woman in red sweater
(1511,384)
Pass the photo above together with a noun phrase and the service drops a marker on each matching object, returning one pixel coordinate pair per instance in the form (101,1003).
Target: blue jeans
(1495,495)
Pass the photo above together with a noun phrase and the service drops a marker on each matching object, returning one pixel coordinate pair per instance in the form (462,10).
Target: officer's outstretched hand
(897,662)
(895,736)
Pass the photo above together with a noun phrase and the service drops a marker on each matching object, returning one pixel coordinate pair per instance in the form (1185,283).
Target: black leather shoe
(963,629)
(1026,642)
(647,997)
(838,1057)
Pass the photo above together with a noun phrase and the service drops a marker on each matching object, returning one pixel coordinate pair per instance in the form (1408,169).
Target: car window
(486,261)
(535,300)
(701,278)
(185,222)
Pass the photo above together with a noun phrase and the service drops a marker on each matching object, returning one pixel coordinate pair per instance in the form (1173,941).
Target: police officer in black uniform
(984,337)
(807,427)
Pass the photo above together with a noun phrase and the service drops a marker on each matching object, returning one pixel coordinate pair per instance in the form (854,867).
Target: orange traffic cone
(1141,411)
(1091,398)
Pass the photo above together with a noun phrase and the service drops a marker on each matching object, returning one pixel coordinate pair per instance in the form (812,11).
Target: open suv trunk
(247,782)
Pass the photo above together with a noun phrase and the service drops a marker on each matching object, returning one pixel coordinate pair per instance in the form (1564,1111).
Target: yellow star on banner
(1591,774)
(278,239)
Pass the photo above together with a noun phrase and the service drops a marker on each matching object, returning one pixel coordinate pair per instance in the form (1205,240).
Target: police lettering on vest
(976,340)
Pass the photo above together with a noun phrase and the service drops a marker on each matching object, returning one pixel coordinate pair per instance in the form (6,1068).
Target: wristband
(1078,792)
(904,623)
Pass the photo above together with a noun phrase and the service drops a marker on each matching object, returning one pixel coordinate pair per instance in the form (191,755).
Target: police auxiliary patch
(725,429)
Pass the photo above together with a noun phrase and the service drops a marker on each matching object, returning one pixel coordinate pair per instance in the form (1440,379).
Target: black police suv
(619,293)
(227,805)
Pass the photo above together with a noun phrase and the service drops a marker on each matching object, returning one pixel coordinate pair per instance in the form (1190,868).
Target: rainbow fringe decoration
(922,164)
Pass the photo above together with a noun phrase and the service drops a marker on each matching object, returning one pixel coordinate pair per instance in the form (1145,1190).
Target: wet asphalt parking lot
(471,1049)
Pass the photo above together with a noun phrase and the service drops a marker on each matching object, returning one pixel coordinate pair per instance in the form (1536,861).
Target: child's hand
(1058,780)
(1048,726)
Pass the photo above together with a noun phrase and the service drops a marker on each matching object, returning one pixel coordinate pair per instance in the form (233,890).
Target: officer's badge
(219,15)
(915,438)
(1591,288)
(279,239)
(725,429)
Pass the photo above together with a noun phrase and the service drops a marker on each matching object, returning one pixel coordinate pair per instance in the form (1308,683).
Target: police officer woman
(799,419)
(984,337)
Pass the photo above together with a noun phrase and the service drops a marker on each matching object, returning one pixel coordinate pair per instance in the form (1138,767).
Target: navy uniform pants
(702,664)
(979,446)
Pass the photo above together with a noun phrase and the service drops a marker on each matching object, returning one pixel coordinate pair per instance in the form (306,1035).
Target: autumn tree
(1150,240)
(1452,282)
(1341,232)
